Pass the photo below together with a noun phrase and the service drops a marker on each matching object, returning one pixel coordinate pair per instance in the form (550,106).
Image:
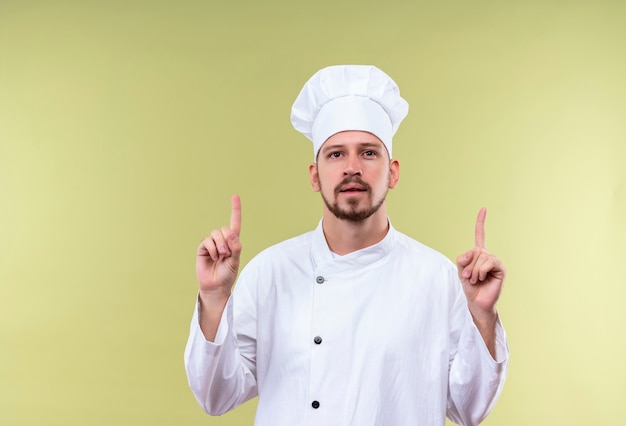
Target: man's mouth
(352,189)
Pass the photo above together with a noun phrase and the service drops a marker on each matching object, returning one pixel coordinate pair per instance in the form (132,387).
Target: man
(353,323)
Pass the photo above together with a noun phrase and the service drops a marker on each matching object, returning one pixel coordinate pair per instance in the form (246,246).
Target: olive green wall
(126,125)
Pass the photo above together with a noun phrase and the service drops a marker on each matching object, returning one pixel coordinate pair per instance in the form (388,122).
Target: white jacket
(381,336)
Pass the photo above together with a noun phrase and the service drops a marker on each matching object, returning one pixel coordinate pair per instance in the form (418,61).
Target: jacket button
(320,279)
(317,340)
(315,404)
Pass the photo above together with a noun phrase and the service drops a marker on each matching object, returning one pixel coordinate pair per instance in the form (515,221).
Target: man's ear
(394,173)
(314,176)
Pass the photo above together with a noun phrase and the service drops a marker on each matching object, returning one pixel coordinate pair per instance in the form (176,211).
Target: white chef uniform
(381,336)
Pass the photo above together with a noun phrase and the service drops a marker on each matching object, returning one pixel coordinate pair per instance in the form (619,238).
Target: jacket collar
(323,258)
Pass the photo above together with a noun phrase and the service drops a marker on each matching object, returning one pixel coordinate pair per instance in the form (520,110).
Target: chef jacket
(380,336)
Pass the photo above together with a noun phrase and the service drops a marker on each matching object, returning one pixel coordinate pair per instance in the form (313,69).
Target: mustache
(352,179)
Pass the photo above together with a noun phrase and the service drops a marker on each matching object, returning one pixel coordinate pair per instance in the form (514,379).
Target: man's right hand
(217,264)
(217,261)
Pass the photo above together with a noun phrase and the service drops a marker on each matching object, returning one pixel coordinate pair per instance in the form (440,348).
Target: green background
(125,126)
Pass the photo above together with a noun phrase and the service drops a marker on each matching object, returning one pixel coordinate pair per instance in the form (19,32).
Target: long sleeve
(220,374)
(476,379)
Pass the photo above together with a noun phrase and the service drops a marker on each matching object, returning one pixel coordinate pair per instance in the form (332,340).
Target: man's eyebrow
(342,146)
(370,145)
(332,147)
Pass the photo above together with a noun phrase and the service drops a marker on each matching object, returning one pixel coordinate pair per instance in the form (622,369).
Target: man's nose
(353,166)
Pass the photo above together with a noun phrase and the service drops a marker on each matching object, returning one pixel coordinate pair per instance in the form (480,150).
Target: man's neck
(344,237)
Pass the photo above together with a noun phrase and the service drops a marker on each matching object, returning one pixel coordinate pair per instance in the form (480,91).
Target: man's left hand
(482,275)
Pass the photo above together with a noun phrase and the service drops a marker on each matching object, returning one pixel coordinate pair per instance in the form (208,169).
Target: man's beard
(352,214)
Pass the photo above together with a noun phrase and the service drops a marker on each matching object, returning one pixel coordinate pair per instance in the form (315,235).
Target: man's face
(353,174)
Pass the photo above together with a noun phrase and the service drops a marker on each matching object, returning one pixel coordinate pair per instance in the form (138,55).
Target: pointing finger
(235,215)
(479,233)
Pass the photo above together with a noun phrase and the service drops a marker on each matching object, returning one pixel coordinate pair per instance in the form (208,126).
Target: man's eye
(335,154)
(369,153)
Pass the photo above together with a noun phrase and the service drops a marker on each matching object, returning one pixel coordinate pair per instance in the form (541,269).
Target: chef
(353,323)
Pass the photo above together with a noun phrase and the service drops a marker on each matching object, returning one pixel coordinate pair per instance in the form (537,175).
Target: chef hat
(349,97)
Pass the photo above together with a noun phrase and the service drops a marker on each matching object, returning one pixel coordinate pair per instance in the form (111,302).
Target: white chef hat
(348,97)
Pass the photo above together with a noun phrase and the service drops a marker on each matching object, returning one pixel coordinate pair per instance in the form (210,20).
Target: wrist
(485,321)
(484,318)
(216,297)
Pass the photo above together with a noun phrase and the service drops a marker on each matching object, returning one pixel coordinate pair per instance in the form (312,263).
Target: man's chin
(351,208)
(352,214)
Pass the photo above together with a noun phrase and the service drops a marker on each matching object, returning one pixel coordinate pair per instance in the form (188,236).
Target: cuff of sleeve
(502,349)
(222,329)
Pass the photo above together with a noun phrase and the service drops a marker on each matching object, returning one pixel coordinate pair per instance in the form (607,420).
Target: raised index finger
(235,214)
(479,232)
